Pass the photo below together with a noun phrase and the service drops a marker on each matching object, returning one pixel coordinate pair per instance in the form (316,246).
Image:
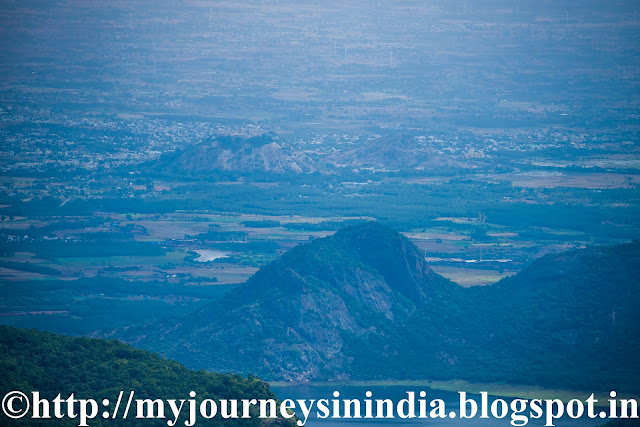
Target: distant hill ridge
(364,304)
(395,151)
(235,154)
(266,154)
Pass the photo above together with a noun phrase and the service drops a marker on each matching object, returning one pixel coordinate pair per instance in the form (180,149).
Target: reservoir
(397,393)
(207,255)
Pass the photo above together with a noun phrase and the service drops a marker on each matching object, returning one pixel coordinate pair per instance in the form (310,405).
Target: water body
(207,255)
(468,261)
(397,393)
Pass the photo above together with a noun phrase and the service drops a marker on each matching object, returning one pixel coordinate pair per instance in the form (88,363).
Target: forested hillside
(97,369)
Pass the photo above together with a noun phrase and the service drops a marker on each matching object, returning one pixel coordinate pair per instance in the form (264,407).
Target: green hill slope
(97,368)
(570,318)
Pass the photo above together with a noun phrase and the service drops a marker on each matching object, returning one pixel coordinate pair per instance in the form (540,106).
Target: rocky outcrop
(258,154)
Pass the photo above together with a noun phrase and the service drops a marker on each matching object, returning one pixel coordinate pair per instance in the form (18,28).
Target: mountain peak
(299,314)
(397,259)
